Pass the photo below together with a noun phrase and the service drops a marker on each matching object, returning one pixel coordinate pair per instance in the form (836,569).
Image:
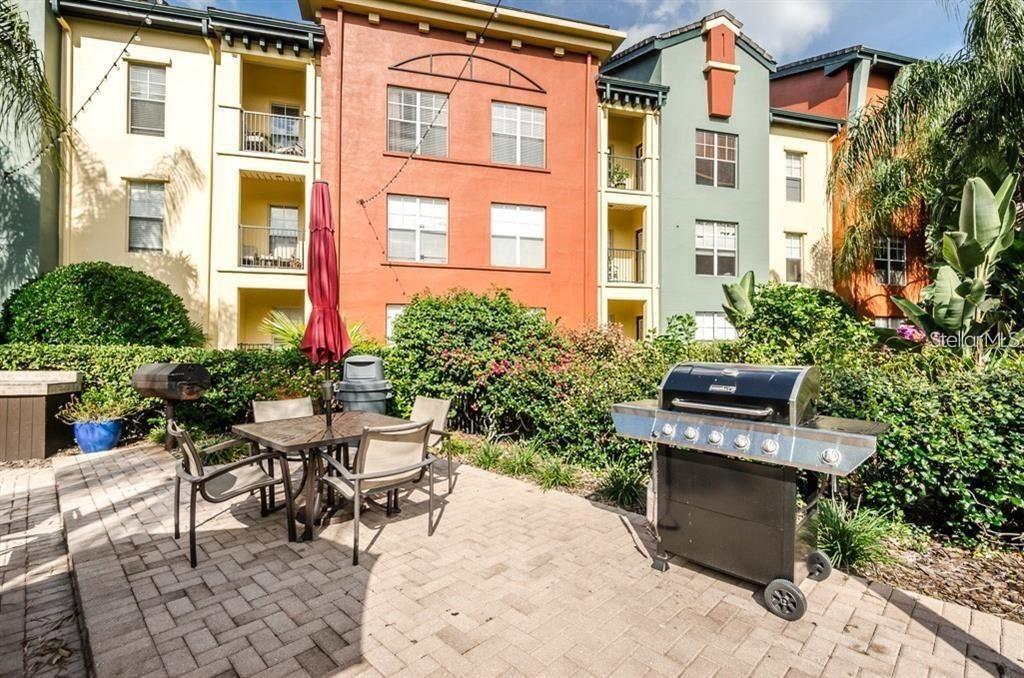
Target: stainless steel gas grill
(726,492)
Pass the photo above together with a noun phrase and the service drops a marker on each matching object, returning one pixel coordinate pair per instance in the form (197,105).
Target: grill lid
(172,381)
(762,393)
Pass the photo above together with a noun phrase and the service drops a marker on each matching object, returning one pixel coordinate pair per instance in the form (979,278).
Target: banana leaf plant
(739,299)
(958,303)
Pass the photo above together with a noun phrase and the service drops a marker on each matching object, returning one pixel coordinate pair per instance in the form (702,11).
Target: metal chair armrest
(226,445)
(186,476)
(348,475)
(248,461)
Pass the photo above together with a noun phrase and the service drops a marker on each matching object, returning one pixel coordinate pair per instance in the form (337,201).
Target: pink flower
(911,333)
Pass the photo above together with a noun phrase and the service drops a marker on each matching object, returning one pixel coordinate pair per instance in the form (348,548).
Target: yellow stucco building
(800,212)
(194,153)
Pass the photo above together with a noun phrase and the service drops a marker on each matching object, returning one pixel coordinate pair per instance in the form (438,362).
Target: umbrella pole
(328,395)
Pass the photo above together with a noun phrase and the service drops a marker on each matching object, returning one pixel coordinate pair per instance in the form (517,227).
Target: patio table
(304,436)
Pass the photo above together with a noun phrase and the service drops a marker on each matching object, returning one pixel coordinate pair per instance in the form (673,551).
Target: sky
(788,29)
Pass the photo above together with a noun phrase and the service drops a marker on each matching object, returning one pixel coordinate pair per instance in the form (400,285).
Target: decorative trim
(721,21)
(559,51)
(424,27)
(374,19)
(721,66)
(406,66)
(129,59)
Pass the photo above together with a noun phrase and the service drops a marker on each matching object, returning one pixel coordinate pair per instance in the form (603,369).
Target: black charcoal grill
(730,442)
(171,382)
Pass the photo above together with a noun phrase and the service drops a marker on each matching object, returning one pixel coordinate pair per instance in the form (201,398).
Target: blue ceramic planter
(97,436)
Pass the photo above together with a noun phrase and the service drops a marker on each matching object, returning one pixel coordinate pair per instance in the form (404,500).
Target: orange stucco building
(837,85)
(499,191)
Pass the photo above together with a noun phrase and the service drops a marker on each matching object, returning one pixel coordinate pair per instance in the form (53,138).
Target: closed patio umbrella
(326,340)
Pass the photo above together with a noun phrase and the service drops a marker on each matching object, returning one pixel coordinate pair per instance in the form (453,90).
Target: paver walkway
(38,628)
(514,582)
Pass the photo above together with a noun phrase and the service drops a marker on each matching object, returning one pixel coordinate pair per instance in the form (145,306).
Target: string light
(146,21)
(363,202)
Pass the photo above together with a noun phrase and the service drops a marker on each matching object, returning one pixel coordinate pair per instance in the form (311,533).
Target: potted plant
(95,419)
(619,175)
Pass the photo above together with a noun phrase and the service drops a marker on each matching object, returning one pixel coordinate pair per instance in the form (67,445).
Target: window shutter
(145,216)
(147,117)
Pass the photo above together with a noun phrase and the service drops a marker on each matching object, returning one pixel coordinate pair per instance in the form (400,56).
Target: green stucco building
(29,193)
(714,187)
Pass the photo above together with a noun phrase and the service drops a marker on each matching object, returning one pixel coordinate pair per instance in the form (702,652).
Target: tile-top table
(305,435)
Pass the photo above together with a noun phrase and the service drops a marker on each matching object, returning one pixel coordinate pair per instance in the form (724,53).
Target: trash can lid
(362,386)
(363,367)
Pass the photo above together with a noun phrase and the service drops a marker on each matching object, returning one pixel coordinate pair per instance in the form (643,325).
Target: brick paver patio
(514,582)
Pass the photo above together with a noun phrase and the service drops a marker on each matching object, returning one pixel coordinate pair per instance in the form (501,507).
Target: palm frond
(28,103)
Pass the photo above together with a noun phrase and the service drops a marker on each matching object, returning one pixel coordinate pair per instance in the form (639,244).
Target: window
(891,260)
(716,248)
(417,229)
(392,312)
(889,323)
(794,177)
(517,134)
(517,236)
(145,216)
(284,126)
(716,159)
(794,257)
(284,232)
(417,122)
(713,326)
(294,313)
(146,95)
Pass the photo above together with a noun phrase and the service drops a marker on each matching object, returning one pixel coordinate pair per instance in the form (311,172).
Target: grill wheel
(819,567)
(785,599)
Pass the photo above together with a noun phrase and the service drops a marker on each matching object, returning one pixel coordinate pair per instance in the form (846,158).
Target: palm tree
(27,107)
(945,120)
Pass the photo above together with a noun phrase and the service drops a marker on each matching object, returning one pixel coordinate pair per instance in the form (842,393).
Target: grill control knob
(831,456)
(770,447)
(668,429)
(741,442)
(690,433)
(715,437)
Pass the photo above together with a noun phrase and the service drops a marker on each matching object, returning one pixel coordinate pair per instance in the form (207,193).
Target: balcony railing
(625,173)
(625,266)
(269,133)
(264,247)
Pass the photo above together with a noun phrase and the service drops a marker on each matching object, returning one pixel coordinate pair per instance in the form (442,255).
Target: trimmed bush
(238,377)
(98,303)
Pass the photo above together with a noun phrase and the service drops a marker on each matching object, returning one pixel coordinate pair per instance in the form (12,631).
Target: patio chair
(276,410)
(217,484)
(390,458)
(436,410)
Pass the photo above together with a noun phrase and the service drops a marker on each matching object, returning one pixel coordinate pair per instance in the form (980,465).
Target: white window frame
(716,250)
(426,118)
(519,110)
(519,237)
(162,219)
(795,161)
(391,314)
(887,274)
(713,326)
(421,224)
(889,322)
(796,255)
(148,96)
(715,157)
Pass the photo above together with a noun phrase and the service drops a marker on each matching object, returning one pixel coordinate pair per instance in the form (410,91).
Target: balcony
(269,248)
(273,133)
(625,265)
(625,173)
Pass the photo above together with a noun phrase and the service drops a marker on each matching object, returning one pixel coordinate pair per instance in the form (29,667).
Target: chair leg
(388,504)
(357,500)
(450,473)
(430,503)
(192,526)
(177,506)
(272,490)
(289,507)
(263,502)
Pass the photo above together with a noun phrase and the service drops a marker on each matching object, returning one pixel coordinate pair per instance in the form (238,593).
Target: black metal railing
(265,247)
(625,265)
(626,173)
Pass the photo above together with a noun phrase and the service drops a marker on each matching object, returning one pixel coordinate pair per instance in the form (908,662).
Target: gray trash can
(363,387)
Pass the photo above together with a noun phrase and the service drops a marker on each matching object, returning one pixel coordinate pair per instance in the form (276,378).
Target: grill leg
(177,507)
(168,417)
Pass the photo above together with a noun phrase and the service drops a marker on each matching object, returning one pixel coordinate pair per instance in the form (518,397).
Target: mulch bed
(989,581)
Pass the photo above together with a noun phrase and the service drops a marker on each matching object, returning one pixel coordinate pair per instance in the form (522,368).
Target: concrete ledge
(39,383)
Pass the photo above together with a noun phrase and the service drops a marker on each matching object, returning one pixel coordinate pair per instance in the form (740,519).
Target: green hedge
(98,303)
(238,377)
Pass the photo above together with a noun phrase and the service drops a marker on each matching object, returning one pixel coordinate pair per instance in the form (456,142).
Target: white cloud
(783,27)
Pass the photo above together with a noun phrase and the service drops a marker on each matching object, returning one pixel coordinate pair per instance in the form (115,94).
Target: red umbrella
(326,340)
